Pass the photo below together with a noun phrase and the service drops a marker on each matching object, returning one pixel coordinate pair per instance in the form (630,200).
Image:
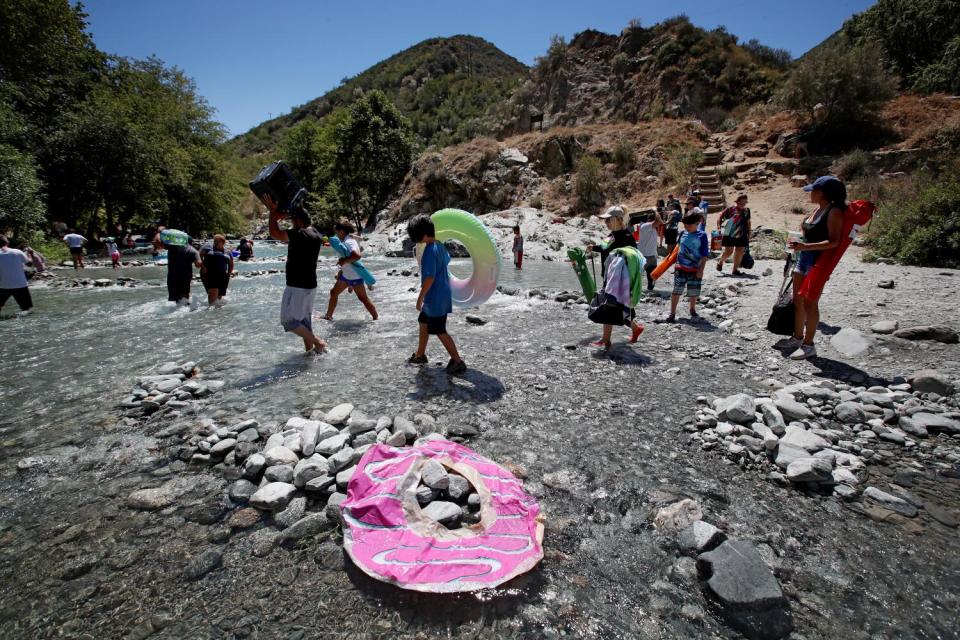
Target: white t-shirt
(349,271)
(647,242)
(74,240)
(12,275)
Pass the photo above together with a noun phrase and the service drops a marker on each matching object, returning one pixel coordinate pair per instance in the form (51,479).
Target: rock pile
(89,283)
(447,497)
(822,436)
(173,386)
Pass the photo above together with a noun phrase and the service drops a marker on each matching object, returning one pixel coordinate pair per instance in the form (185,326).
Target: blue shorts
(350,283)
(806,261)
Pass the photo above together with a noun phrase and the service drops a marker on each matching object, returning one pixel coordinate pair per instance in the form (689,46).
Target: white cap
(612,212)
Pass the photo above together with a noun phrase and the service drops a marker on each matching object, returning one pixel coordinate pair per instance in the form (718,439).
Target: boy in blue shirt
(435,300)
(688,271)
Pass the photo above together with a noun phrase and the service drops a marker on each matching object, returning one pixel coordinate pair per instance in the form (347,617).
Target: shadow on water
(446,610)
(473,386)
(291,368)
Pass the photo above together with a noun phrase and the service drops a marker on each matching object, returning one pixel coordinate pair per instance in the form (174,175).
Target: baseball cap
(824,183)
(612,212)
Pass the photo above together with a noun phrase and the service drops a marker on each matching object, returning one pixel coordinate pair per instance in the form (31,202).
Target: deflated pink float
(388,536)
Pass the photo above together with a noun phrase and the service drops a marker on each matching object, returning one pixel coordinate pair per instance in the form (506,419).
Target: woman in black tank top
(821,231)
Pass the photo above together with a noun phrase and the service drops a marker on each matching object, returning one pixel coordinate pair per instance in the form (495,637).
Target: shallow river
(76,561)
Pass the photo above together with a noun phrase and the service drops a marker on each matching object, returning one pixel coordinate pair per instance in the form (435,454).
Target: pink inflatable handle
(389,538)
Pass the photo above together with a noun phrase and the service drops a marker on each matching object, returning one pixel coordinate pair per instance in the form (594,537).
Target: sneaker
(600,344)
(788,343)
(415,359)
(719,266)
(669,320)
(694,315)
(636,334)
(803,352)
(456,368)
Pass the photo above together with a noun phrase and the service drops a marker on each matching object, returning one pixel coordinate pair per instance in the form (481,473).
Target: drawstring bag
(781,320)
(604,309)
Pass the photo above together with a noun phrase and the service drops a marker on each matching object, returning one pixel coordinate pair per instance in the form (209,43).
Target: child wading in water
(688,272)
(435,300)
(348,277)
(517,247)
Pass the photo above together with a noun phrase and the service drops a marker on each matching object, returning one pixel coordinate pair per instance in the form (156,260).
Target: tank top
(817,230)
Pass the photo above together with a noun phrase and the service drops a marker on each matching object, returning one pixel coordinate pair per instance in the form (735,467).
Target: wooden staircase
(708,181)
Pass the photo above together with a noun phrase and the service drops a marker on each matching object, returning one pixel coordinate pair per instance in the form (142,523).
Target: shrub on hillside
(682,162)
(555,59)
(916,221)
(624,156)
(838,86)
(853,165)
(589,188)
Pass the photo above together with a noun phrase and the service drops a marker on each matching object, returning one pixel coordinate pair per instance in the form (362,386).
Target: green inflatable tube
(466,228)
(579,261)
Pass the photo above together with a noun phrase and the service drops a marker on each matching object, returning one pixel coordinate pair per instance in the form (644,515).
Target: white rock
(678,516)
(800,437)
(339,414)
(434,475)
(308,469)
(331,445)
(280,455)
(273,496)
(810,470)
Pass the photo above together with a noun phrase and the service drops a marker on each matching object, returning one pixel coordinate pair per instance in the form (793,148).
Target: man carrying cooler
(303,247)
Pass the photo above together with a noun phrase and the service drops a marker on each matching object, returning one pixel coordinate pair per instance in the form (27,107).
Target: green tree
(374,147)
(838,85)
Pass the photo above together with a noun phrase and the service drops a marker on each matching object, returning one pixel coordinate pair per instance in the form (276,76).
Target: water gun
(344,252)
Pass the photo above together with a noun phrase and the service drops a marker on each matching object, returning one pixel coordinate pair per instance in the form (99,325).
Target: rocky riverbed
(605,441)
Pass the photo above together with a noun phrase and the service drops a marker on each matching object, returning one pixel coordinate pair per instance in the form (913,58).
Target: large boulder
(806,440)
(938,332)
(739,408)
(810,470)
(931,381)
(748,594)
(933,423)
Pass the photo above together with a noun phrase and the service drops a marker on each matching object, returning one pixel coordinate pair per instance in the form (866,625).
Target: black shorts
(670,235)
(436,325)
(218,281)
(177,291)
(728,241)
(76,251)
(22,296)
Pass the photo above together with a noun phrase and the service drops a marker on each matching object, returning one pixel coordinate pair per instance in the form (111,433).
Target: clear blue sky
(253,59)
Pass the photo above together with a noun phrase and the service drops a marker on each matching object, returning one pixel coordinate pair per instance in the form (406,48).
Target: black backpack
(781,320)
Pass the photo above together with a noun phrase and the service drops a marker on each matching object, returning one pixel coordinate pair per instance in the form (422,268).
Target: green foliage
(624,156)
(778,58)
(849,82)
(589,182)
(112,139)
(445,87)
(374,152)
(21,206)
(918,38)
(682,162)
(853,164)
(555,61)
(917,221)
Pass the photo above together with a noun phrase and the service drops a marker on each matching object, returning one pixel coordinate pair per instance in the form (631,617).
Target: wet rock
(206,514)
(309,525)
(279,473)
(329,446)
(446,513)
(241,490)
(264,541)
(885,327)
(223,447)
(845,492)
(890,501)
(76,567)
(850,342)
(293,512)
(280,455)
(200,565)
(243,518)
(934,423)
(434,475)
(339,414)
(273,496)
(810,470)
(748,594)
(699,537)
(676,517)
(150,499)
(939,333)
(739,408)
(931,381)
(912,427)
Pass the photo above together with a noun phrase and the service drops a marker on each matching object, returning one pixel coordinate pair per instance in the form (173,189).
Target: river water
(605,430)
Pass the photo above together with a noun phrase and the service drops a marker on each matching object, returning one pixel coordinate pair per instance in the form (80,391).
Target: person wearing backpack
(822,230)
(734,224)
